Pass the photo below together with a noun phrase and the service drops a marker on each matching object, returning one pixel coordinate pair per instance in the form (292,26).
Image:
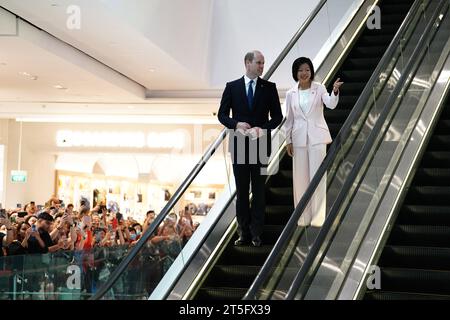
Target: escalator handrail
(197,168)
(420,48)
(332,153)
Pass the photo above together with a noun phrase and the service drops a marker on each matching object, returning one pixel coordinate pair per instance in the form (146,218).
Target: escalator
(375,175)
(415,262)
(237,267)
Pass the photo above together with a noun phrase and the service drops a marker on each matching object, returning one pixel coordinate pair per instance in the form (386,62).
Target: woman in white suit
(307,135)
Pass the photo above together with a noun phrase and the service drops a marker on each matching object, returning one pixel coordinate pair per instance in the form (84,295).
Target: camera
(22,214)
(3,214)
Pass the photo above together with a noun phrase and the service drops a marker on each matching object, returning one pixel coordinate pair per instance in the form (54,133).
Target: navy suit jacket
(265,102)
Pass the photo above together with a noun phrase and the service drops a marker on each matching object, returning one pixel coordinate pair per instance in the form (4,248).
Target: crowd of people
(95,240)
(55,227)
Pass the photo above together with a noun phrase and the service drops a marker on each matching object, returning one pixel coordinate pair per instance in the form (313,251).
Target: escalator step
(245,255)
(282,179)
(278,215)
(430,236)
(355,75)
(232,276)
(334,128)
(391,295)
(432,176)
(353,88)
(370,40)
(375,51)
(348,101)
(428,195)
(286,163)
(439,143)
(280,196)
(425,215)
(437,159)
(336,116)
(415,280)
(442,127)
(386,29)
(415,257)
(221,293)
(362,62)
(270,234)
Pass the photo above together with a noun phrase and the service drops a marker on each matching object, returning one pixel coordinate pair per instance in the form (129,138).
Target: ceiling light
(28,75)
(59,87)
(151,70)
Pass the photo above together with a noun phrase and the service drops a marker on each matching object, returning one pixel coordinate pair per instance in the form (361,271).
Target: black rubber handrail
(196,170)
(313,256)
(332,153)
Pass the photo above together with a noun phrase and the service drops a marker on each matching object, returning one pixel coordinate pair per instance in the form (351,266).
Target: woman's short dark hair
(296,66)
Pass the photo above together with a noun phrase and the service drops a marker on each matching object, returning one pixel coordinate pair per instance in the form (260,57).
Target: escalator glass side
(339,254)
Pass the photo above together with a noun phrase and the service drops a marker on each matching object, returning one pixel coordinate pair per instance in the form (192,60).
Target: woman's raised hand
(337,84)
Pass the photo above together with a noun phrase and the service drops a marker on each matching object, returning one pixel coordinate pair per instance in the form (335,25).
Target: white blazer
(300,126)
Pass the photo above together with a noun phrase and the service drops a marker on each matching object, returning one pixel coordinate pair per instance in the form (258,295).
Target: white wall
(3,144)
(267,25)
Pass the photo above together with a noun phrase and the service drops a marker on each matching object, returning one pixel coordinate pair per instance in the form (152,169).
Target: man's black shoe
(241,242)
(256,242)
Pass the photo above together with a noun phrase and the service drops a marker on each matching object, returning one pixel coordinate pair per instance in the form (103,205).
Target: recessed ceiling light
(59,87)
(27,75)
(151,70)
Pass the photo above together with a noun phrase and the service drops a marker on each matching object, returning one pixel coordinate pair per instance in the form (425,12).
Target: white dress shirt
(247,83)
(303,98)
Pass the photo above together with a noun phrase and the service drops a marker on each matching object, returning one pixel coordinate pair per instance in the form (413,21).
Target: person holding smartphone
(4,221)
(40,240)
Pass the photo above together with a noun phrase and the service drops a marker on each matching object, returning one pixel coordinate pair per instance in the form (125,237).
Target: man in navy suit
(251,100)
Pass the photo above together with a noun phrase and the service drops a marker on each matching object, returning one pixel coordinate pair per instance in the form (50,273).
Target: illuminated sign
(168,140)
(18,176)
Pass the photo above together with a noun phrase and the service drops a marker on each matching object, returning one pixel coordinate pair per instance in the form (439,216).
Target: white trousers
(305,162)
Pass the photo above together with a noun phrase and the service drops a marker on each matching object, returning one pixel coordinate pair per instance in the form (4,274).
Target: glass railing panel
(63,275)
(190,215)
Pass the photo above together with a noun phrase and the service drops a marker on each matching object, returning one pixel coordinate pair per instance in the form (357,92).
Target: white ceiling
(106,68)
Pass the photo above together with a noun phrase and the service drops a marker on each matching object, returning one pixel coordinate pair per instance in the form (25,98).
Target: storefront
(135,166)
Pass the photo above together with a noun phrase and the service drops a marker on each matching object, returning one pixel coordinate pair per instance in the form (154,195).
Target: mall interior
(116,180)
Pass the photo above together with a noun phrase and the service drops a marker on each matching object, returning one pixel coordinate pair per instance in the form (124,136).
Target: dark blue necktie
(250,95)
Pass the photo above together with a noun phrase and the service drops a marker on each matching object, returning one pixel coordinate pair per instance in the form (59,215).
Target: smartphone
(40,207)
(3,214)
(33,228)
(22,214)
(19,205)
